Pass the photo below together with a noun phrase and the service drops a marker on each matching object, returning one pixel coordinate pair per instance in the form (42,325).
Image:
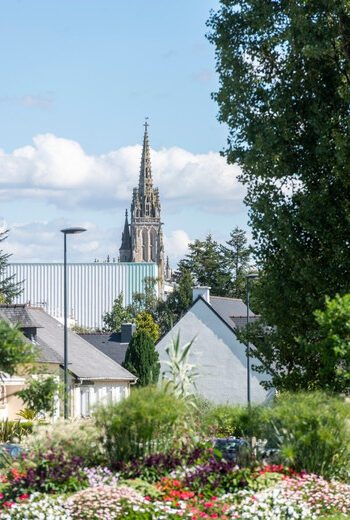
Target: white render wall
(85,397)
(218,356)
(92,287)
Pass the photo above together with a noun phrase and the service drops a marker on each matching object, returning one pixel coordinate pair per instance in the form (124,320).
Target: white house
(220,358)
(93,376)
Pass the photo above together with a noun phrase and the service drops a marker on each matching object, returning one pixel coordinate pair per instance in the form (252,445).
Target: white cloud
(43,242)
(29,100)
(176,245)
(58,171)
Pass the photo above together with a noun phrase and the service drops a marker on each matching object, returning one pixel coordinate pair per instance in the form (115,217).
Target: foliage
(75,437)
(27,414)
(177,302)
(181,375)
(157,465)
(284,93)
(142,359)
(147,300)
(208,265)
(143,487)
(14,430)
(332,348)
(50,472)
(40,393)
(145,322)
(142,424)
(238,254)
(312,432)
(8,288)
(14,349)
(235,420)
(118,315)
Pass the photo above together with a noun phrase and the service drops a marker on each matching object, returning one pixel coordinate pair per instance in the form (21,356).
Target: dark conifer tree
(142,360)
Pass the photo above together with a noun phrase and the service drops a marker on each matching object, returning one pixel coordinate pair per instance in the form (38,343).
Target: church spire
(125,248)
(145,170)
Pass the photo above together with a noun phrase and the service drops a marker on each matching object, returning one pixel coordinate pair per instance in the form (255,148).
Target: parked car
(230,447)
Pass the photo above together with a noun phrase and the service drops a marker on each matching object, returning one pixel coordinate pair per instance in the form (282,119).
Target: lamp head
(73,230)
(251,276)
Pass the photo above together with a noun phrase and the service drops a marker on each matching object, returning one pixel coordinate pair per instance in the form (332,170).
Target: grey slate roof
(109,344)
(228,307)
(84,360)
(17,314)
(241,321)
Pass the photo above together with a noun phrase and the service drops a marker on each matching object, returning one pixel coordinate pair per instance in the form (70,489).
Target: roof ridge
(244,316)
(227,298)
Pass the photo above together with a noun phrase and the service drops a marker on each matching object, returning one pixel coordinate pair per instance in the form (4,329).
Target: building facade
(142,241)
(92,287)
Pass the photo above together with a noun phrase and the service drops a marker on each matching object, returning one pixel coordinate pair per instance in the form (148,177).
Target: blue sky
(77,79)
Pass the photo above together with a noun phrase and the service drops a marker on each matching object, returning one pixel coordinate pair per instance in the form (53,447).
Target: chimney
(204,292)
(128,330)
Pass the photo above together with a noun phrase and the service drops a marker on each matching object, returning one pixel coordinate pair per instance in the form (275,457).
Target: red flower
(148,498)
(23,497)
(8,504)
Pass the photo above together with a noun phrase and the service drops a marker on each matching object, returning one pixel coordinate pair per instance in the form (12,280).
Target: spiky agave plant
(181,376)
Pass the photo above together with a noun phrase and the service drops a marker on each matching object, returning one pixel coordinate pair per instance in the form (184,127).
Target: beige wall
(14,403)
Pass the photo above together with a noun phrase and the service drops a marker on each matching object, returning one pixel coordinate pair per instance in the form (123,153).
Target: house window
(85,401)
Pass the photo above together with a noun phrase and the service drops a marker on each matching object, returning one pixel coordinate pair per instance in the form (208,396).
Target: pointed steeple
(145,170)
(125,248)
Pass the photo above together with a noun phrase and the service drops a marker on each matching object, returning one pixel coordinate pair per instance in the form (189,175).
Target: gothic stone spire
(125,248)
(145,179)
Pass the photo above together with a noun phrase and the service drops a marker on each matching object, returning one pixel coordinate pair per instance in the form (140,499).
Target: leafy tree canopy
(119,314)
(15,351)
(208,265)
(142,360)
(284,93)
(39,395)
(145,322)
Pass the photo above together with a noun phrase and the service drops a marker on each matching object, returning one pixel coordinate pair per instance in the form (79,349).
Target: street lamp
(247,278)
(67,231)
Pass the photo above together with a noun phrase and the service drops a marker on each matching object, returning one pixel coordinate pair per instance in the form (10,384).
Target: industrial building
(92,287)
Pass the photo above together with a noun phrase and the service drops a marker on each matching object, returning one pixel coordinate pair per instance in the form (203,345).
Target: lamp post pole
(247,278)
(67,231)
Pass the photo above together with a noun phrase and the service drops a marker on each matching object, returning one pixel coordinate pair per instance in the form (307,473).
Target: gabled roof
(84,360)
(228,307)
(109,344)
(241,321)
(17,313)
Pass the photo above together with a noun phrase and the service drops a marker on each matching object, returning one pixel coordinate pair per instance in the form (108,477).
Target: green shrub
(313,432)
(144,423)
(226,420)
(78,438)
(14,431)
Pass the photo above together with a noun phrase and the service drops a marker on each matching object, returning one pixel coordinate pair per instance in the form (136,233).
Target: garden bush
(312,431)
(144,423)
(225,420)
(14,431)
(80,438)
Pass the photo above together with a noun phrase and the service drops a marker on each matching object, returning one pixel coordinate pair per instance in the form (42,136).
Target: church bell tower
(144,241)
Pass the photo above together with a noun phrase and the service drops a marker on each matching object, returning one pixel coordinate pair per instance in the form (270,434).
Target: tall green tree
(8,288)
(142,359)
(208,265)
(177,302)
(237,253)
(284,69)
(118,315)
